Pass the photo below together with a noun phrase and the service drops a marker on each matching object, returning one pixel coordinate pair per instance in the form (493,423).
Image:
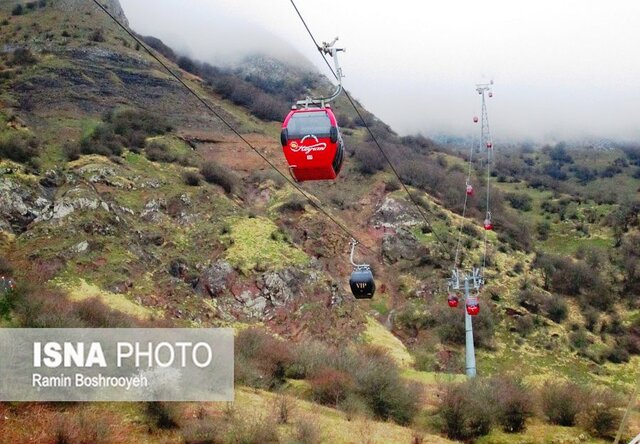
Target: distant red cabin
(452,300)
(488,224)
(473,306)
(312,144)
(475,119)
(469,190)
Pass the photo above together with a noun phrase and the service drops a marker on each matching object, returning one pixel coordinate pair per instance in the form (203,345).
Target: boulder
(152,211)
(216,279)
(393,213)
(80,247)
(401,245)
(276,287)
(19,205)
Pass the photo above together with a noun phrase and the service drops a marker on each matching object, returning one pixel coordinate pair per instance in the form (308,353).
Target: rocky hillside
(119,191)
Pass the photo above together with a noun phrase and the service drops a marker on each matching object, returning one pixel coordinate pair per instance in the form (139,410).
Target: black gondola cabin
(362,284)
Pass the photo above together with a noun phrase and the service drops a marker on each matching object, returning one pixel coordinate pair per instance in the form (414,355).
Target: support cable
(485,136)
(466,200)
(228,125)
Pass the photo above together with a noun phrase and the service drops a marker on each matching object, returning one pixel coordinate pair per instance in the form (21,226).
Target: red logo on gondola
(317,146)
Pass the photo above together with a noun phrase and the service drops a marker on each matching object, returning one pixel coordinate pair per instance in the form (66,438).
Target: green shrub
(292,205)
(307,431)
(159,152)
(97,35)
(5,267)
(466,410)
(71,151)
(19,148)
(591,319)
(130,128)
(557,309)
(392,185)
(261,359)
(102,141)
(163,415)
(513,403)
(380,386)
(258,177)
(616,353)
(365,379)
(425,360)
(214,173)
(202,431)
(81,428)
(519,201)
(9,298)
(524,325)
(22,57)
(257,430)
(330,386)
(354,406)
(127,122)
(191,178)
(602,414)
(561,402)
(36,306)
(470,230)
(543,229)
(94,313)
(309,358)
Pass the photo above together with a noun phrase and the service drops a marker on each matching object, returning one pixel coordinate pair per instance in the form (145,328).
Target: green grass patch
(256,243)
(567,244)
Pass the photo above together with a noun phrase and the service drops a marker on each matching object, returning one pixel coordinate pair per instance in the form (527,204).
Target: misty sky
(562,69)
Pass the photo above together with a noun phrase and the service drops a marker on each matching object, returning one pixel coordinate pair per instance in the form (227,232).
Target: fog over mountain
(561,69)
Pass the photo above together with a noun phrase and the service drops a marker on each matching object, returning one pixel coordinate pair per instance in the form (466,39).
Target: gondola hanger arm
(353,249)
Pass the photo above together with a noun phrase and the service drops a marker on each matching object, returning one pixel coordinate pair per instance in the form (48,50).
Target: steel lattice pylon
(485,134)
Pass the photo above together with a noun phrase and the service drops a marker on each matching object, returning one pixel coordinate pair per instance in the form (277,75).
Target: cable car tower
(467,282)
(484,89)
(470,282)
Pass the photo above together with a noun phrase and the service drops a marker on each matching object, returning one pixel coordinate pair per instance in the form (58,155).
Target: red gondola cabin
(473,306)
(488,224)
(312,144)
(452,300)
(469,190)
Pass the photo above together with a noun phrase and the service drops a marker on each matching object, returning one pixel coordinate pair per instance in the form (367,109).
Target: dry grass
(379,336)
(83,290)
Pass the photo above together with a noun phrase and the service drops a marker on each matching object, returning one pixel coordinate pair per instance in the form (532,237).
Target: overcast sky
(568,68)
